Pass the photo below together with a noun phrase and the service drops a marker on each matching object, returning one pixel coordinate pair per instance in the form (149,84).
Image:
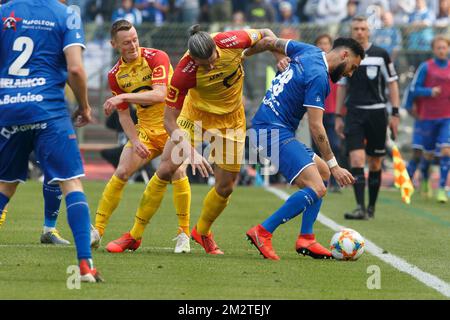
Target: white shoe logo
(257,240)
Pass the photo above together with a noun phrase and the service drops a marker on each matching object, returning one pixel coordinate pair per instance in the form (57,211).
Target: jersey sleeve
(388,69)
(240,39)
(73,29)
(408,98)
(317,91)
(115,89)
(160,65)
(418,82)
(184,78)
(295,48)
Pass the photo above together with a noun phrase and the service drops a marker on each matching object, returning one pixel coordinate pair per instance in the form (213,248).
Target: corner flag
(402,179)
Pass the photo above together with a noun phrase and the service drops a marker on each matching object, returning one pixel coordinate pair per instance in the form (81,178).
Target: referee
(366,122)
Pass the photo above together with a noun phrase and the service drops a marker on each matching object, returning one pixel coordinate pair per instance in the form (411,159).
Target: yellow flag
(402,179)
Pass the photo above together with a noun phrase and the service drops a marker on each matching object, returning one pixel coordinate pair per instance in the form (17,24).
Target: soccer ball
(347,244)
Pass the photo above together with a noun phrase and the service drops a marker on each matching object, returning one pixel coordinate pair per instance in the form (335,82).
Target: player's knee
(225,190)
(166,170)
(320,189)
(180,173)
(8,189)
(122,174)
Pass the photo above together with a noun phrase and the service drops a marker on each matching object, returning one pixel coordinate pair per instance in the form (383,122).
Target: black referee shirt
(366,87)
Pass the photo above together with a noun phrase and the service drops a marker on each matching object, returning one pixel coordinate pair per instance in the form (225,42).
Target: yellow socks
(108,203)
(3,218)
(213,205)
(150,202)
(182,202)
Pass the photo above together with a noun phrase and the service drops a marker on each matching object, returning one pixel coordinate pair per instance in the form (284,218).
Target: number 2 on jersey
(26,46)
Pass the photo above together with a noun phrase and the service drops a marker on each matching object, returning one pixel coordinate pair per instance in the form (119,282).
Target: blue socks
(3,202)
(79,222)
(309,217)
(52,201)
(297,203)
(412,167)
(445,166)
(425,168)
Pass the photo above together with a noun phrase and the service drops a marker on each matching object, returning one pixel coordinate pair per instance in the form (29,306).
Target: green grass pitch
(418,233)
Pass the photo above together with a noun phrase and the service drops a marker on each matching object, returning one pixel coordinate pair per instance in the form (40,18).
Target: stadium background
(409,42)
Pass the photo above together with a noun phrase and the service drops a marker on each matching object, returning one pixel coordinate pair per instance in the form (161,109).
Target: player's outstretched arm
(77,81)
(319,135)
(269,42)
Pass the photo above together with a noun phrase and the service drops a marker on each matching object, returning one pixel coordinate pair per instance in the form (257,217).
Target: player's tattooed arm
(280,45)
(318,133)
(342,176)
(270,42)
(266,43)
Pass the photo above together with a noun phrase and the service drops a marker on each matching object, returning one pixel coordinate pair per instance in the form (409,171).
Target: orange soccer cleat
(207,242)
(125,242)
(307,245)
(262,240)
(88,273)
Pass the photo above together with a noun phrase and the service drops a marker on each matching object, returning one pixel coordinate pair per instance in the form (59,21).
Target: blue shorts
(54,143)
(285,152)
(417,138)
(436,133)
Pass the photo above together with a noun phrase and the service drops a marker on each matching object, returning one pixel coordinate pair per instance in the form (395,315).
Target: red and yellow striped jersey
(152,67)
(218,91)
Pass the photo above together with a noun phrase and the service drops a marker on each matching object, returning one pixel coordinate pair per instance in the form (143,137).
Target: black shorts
(366,129)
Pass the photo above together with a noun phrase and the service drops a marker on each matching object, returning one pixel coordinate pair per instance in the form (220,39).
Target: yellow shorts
(225,133)
(153,140)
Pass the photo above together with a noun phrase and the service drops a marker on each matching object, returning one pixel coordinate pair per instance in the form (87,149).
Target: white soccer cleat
(183,245)
(95,238)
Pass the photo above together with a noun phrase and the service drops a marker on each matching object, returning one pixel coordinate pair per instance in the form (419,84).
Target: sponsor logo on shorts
(7,132)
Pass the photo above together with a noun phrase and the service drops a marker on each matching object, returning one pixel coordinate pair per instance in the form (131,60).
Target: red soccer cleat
(307,245)
(125,242)
(262,240)
(207,242)
(88,273)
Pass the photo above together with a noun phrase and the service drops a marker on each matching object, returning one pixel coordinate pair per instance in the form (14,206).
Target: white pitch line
(50,246)
(398,263)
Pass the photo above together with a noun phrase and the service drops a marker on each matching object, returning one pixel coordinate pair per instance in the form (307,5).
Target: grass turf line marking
(398,263)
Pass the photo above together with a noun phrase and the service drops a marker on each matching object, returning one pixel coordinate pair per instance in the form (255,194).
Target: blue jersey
(304,84)
(33,69)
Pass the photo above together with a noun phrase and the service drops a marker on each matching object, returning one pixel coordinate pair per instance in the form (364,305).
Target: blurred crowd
(422,13)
